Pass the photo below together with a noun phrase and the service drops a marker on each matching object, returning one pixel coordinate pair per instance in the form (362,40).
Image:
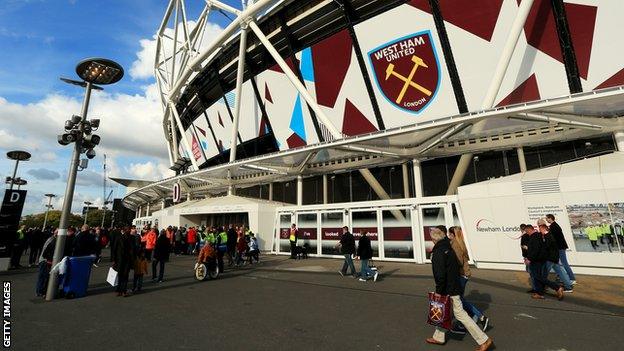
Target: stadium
(392,117)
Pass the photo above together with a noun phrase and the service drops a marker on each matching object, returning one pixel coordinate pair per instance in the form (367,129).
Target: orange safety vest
(150,242)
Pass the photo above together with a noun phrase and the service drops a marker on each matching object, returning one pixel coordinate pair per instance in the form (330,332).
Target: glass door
(331,230)
(366,221)
(308,229)
(430,217)
(397,236)
(285,221)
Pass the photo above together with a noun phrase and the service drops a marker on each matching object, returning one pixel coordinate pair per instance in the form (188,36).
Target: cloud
(149,171)
(44,174)
(89,178)
(143,66)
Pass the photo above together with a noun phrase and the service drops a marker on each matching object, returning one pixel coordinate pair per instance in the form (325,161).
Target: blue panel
(307,68)
(296,120)
(231,98)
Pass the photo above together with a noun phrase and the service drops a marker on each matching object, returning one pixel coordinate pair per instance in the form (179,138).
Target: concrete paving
(306,305)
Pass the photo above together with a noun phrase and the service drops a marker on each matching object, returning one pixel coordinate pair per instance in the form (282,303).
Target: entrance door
(285,221)
(331,230)
(366,221)
(397,234)
(307,223)
(430,217)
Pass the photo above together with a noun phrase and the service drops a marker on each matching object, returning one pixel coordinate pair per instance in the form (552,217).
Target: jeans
(468,307)
(348,263)
(531,279)
(561,273)
(477,334)
(563,259)
(42,278)
(540,276)
(366,271)
(161,273)
(137,282)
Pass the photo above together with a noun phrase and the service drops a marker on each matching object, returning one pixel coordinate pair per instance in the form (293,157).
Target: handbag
(440,311)
(113,277)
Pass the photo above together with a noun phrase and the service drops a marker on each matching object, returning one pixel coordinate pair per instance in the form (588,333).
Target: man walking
(557,233)
(347,249)
(446,274)
(538,249)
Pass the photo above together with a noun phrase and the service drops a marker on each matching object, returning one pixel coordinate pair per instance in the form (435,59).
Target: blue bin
(76,279)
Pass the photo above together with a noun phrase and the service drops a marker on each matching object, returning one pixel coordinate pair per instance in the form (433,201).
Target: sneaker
(569,291)
(537,296)
(161,281)
(342,274)
(362,279)
(573,282)
(375,276)
(485,322)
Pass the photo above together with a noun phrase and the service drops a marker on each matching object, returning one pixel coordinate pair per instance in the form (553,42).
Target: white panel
(392,25)
(205,137)
(221,123)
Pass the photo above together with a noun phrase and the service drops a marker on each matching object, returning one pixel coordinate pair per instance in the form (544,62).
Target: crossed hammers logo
(418,62)
(436,314)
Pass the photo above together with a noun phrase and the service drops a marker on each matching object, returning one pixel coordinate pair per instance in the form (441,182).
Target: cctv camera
(90,153)
(66,139)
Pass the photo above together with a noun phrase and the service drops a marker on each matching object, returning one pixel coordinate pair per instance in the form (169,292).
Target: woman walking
(161,255)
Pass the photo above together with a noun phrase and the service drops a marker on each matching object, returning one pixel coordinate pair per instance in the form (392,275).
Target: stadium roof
(575,116)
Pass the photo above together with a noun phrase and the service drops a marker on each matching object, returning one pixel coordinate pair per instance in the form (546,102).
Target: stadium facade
(392,117)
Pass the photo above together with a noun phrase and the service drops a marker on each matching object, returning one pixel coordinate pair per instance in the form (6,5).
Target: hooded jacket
(445,268)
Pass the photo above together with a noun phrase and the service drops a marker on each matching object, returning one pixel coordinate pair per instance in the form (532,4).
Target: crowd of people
(544,250)
(133,249)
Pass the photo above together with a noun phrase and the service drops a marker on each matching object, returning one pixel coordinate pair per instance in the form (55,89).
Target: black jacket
(542,248)
(161,251)
(364,250)
(123,253)
(557,233)
(347,242)
(232,237)
(445,268)
(524,241)
(84,244)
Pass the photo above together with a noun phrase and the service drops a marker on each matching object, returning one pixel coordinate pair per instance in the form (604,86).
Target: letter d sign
(15,197)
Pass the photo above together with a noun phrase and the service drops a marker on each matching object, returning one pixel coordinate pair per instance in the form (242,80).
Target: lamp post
(87,203)
(18,156)
(48,207)
(112,219)
(78,130)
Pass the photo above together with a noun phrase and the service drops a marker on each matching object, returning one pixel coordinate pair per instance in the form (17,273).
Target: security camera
(66,138)
(69,125)
(90,153)
(75,119)
(95,123)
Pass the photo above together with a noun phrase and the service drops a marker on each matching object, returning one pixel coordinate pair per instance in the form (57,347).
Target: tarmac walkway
(306,305)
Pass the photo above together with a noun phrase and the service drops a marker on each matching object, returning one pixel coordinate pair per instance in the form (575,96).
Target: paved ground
(305,305)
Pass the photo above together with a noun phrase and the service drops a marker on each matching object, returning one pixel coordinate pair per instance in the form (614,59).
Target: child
(140,269)
(253,248)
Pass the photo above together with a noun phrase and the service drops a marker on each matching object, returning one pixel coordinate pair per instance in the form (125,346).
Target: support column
(138,212)
(188,196)
(418,187)
(242,50)
(230,191)
(299,190)
(325,189)
(147,212)
(163,204)
(270,191)
(521,159)
(494,88)
(619,140)
(405,172)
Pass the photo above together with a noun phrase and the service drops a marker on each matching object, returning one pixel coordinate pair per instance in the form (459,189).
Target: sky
(42,40)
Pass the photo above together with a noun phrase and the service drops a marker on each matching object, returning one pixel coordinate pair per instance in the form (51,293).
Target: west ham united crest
(407,71)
